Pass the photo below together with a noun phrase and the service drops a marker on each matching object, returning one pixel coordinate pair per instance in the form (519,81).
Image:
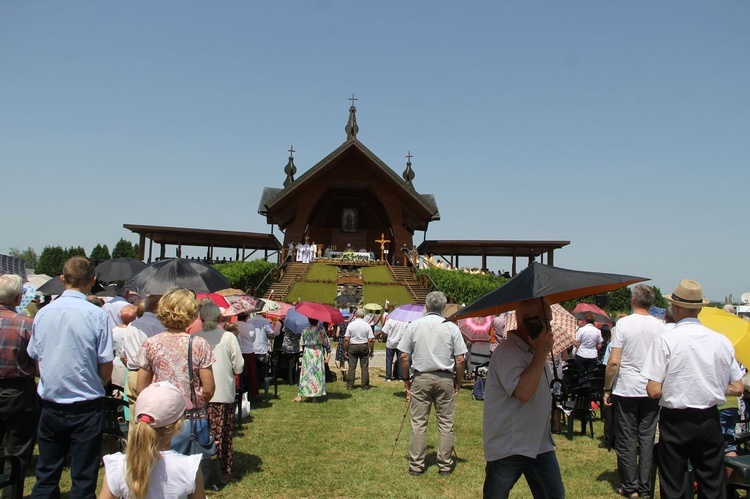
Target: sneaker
(388,380)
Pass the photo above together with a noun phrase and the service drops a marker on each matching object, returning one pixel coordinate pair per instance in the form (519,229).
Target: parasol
(118,269)
(564,326)
(540,281)
(407,313)
(476,329)
(158,277)
(319,311)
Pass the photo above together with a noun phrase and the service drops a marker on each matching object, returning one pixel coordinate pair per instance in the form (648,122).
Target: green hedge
(462,287)
(247,276)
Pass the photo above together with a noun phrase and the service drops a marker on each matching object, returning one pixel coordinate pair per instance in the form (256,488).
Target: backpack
(477,391)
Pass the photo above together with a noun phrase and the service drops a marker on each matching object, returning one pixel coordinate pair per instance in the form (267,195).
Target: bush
(460,286)
(247,276)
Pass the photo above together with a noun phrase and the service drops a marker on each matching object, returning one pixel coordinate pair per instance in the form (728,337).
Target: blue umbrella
(296,322)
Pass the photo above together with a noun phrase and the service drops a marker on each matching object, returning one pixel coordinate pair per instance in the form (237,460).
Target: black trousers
(19,417)
(693,434)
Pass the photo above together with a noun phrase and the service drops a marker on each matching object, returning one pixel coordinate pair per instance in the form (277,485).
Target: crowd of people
(178,360)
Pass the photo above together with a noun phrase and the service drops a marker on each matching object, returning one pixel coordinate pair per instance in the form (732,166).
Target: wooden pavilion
(349,199)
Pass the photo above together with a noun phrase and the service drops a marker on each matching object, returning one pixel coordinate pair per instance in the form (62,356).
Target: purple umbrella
(407,313)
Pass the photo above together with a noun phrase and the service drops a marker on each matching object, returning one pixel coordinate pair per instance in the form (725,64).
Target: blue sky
(620,126)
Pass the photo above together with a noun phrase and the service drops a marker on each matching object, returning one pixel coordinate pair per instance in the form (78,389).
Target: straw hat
(687,294)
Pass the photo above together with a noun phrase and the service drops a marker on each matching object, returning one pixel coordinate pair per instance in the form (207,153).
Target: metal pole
(408,405)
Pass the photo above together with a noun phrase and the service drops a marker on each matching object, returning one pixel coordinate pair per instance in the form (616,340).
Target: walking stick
(399,430)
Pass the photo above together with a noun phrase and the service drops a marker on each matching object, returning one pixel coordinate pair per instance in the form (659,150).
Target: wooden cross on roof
(383,241)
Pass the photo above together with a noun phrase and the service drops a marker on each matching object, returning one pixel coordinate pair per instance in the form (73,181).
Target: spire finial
(290,169)
(351,127)
(408,173)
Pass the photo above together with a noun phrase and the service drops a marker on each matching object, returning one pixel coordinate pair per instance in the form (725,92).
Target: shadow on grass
(430,458)
(609,476)
(246,464)
(400,394)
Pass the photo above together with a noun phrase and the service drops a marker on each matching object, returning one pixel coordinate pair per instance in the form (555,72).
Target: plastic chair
(579,407)
(14,478)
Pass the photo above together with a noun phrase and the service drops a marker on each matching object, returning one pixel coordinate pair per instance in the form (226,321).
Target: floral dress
(340,353)
(312,377)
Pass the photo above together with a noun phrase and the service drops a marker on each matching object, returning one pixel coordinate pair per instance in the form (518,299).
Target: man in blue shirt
(72,343)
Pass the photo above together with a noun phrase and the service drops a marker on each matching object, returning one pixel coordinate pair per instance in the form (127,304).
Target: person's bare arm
(610,373)
(145,377)
(653,388)
(200,491)
(106,493)
(532,375)
(105,372)
(735,388)
(460,368)
(206,376)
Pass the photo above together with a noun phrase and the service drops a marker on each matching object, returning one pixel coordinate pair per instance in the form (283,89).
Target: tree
(100,253)
(74,251)
(51,261)
(29,256)
(124,248)
(660,301)
(619,300)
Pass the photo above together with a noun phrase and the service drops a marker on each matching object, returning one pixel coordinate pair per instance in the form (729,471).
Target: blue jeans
(728,419)
(542,474)
(389,354)
(77,429)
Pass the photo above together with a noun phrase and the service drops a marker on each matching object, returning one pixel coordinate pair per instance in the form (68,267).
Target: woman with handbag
(229,361)
(150,469)
(165,357)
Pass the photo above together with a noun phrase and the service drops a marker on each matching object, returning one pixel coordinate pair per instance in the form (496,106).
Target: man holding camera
(517,402)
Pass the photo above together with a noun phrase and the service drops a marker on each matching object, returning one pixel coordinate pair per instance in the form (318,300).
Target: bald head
(128,314)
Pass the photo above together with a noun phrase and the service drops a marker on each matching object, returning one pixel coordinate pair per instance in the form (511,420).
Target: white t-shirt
(173,476)
(634,334)
(359,332)
(694,365)
(395,331)
(118,341)
(433,343)
(589,336)
(263,330)
(246,337)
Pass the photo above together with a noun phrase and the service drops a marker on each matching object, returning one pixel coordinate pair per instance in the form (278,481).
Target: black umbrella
(158,277)
(118,269)
(54,286)
(542,281)
(344,299)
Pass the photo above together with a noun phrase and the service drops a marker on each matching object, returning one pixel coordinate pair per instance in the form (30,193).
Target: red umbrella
(600,316)
(476,329)
(564,327)
(320,311)
(215,297)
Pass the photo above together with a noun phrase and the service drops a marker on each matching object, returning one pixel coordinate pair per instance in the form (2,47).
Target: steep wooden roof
(274,199)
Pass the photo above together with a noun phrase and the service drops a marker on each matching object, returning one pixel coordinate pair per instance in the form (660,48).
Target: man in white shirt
(136,333)
(263,332)
(119,370)
(625,388)
(691,369)
(437,352)
(113,306)
(394,331)
(359,345)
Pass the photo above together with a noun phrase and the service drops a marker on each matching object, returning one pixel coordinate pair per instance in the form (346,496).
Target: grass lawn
(341,448)
(376,274)
(313,291)
(396,295)
(322,272)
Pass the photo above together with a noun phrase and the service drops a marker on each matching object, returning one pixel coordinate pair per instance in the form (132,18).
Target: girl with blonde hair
(149,469)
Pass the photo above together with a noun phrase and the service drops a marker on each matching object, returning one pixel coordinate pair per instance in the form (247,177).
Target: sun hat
(161,404)
(687,294)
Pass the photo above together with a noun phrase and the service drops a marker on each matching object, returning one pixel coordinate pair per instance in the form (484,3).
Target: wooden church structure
(351,198)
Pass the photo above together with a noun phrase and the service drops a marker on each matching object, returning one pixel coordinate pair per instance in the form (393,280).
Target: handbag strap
(190,369)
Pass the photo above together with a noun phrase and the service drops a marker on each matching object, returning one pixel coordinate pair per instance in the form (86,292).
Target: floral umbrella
(564,327)
(476,329)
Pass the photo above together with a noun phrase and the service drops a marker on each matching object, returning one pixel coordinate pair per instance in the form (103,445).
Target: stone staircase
(295,272)
(404,276)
